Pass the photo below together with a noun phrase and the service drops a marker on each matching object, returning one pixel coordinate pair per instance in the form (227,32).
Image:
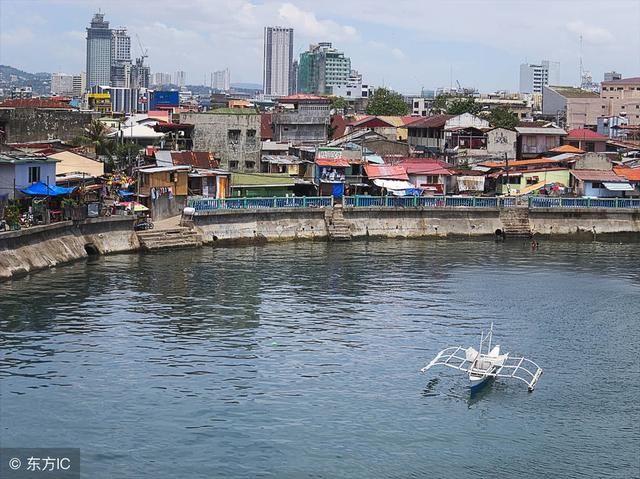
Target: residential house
(262,185)
(587,140)
(302,119)
(431,175)
(375,124)
(435,134)
(520,177)
(231,133)
(599,183)
(204,178)
(19,170)
(75,168)
(537,139)
(427,134)
(502,143)
(372,142)
(164,189)
(572,107)
(331,170)
(388,178)
(633,177)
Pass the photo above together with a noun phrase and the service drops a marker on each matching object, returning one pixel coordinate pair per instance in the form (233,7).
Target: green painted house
(261,185)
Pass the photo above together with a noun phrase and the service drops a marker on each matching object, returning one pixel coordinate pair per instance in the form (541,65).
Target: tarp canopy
(125,193)
(618,186)
(397,187)
(42,189)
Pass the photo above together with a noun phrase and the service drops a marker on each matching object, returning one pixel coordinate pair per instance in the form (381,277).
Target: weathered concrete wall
(418,222)
(31,124)
(569,221)
(46,246)
(212,133)
(264,225)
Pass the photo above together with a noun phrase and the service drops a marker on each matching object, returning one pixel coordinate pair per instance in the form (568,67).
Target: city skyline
(387,44)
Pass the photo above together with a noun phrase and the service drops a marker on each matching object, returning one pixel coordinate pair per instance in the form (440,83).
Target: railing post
(617,203)
(588,202)
(473,202)
(304,201)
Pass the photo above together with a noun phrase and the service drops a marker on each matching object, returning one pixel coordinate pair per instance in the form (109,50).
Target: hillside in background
(12,77)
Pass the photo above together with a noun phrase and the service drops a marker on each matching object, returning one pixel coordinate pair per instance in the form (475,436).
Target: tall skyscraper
(222,80)
(98,52)
(120,58)
(278,61)
(534,77)
(322,69)
(79,84)
(180,79)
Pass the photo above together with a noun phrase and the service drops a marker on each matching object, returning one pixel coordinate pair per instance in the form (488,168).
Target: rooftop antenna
(581,71)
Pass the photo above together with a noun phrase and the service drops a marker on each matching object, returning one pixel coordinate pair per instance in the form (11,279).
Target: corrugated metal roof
(524,130)
(333,162)
(584,134)
(631,174)
(435,121)
(597,175)
(387,172)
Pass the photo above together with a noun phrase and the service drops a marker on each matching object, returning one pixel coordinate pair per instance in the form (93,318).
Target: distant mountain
(10,77)
(247,86)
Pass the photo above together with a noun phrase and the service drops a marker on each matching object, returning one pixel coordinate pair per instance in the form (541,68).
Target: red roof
(266,128)
(631,174)
(597,175)
(584,134)
(339,125)
(197,159)
(303,98)
(421,166)
(409,119)
(371,122)
(35,103)
(386,172)
(435,121)
(333,162)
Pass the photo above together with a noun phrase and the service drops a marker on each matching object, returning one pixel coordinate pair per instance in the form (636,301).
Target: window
(34,174)
(590,146)
(250,165)
(233,135)
(597,185)
(532,180)
(233,165)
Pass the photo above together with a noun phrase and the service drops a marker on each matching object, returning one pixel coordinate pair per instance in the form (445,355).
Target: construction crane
(459,87)
(144,51)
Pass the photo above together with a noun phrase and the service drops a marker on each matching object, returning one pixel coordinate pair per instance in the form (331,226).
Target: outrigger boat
(487,363)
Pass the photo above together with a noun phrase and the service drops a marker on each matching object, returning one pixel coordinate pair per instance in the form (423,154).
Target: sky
(406,45)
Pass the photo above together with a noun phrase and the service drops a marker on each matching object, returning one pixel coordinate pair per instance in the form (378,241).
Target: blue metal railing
(211,204)
(546,202)
(365,201)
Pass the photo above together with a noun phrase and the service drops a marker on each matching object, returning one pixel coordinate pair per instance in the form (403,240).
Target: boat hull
(477,384)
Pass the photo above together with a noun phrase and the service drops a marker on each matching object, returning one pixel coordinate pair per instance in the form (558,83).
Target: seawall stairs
(178,237)
(337,227)
(515,222)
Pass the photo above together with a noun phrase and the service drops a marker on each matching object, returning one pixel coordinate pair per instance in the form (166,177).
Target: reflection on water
(303,359)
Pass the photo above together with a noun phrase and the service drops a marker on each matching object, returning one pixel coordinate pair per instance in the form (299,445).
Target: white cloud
(590,33)
(307,23)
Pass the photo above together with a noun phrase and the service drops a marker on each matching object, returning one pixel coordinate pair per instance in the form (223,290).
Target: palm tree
(96,136)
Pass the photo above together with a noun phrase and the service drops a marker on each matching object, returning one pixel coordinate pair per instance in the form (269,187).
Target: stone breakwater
(46,246)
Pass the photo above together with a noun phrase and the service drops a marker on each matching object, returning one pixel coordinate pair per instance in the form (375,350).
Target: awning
(397,187)
(618,186)
(42,189)
(333,162)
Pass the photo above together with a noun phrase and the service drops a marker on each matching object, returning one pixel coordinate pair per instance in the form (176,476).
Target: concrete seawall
(43,247)
(296,223)
(46,246)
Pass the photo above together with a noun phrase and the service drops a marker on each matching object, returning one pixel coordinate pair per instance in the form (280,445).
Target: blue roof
(42,189)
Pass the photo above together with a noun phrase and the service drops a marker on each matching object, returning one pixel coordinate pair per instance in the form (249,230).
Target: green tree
(440,102)
(339,105)
(386,102)
(96,135)
(502,117)
(463,105)
(127,155)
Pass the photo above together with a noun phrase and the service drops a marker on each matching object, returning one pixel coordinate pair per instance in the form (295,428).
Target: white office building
(221,80)
(180,79)
(278,61)
(534,77)
(61,84)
